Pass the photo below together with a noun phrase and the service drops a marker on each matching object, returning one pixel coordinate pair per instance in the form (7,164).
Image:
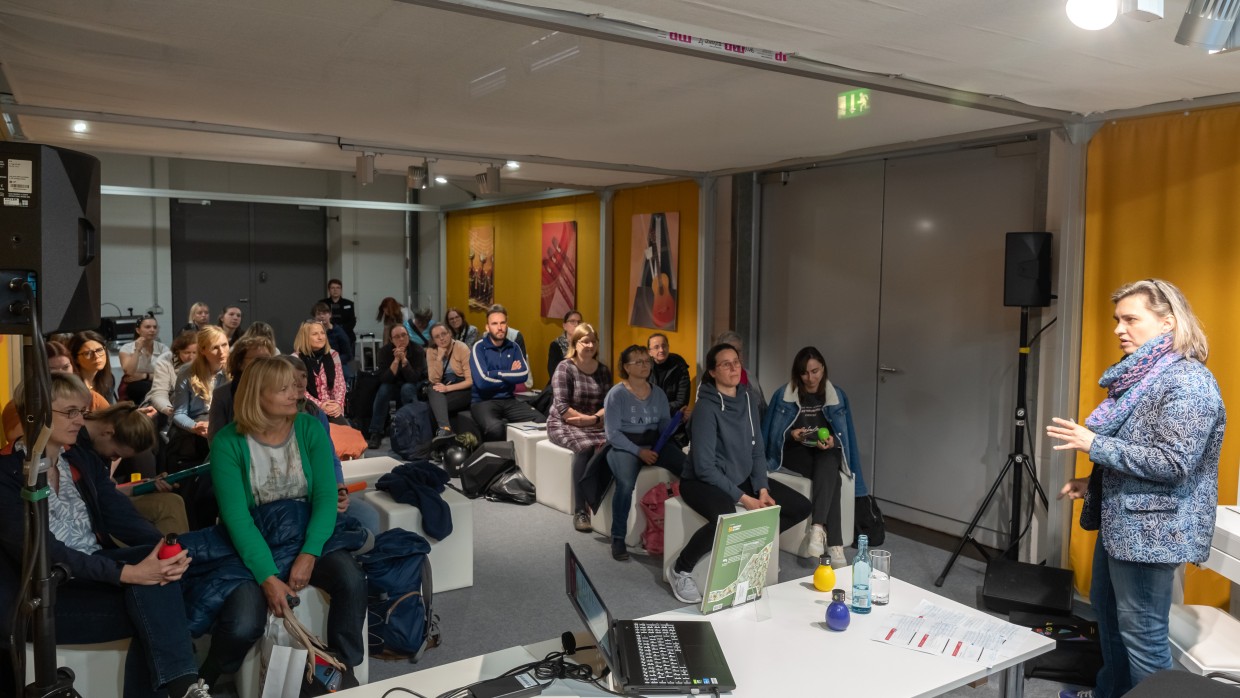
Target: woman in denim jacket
(1155,443)
(781,427)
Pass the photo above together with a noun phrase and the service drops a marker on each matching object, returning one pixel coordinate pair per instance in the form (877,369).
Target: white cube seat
(524,442)
(790,540)
(1204,639)
(679,523)
(452,559)
(555,476)
(367,470)
(647,477)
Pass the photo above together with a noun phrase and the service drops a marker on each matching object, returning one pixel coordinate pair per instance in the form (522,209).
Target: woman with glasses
(558,349)
(92,364)
(112,592)
(447,365)
(792,431)
(727,466)
(462,331)
(575,421)
(326,387)
(635,413)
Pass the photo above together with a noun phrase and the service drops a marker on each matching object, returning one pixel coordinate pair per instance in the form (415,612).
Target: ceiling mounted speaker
(1208,23)
(365,169)
(488,182)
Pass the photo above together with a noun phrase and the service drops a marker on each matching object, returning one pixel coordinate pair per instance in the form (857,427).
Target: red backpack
(652,505)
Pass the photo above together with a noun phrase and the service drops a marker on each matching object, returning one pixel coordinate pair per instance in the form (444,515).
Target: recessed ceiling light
(441,179)
(1092,14)
(513,165)
(79,127)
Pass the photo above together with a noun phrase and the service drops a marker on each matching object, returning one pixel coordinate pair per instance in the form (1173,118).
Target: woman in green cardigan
(271,452)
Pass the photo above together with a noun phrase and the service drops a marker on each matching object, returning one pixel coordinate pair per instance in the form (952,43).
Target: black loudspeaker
(1027,270)
(49,234)
(1020,586)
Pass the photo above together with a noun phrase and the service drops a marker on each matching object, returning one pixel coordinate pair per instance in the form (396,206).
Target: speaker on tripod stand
(1010,584)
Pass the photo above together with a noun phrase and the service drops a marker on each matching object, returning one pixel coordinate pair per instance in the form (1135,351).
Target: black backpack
(401,619)
(492,472)
(868,519)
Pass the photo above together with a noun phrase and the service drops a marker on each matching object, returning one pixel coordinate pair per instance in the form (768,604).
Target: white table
(789,653)
(1225,550)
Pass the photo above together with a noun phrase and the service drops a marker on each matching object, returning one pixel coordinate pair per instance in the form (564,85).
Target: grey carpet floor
(518,592)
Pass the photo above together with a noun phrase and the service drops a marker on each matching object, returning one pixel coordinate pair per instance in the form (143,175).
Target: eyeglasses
(92,352)
(728,365)
(641,362)
(73,412)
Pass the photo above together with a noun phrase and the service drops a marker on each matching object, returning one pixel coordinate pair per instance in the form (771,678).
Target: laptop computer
(663,656)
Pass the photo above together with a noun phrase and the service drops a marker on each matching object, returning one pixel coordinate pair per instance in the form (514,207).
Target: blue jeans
(1132,601)
(625,468)
(153,616)
(243,617)
(403,393)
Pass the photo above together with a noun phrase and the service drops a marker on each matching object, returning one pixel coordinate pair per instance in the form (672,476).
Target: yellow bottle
(824,576)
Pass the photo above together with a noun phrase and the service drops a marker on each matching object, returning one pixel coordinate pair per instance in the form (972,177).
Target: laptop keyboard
(658,648)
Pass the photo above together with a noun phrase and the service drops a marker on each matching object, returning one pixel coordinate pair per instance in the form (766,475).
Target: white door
(947,347)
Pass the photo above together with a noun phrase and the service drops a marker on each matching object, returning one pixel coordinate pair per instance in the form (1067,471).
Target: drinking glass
(880,577)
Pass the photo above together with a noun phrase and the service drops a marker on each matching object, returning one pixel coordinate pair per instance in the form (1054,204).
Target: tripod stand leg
(968,532)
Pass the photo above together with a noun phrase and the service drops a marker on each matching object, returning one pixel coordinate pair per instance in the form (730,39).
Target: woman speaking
(1155,443)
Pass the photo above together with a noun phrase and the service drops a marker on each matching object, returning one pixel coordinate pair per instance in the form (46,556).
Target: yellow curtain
(1163,200)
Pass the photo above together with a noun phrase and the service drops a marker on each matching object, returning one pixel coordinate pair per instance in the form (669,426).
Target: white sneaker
(684,588)
(837,557)
(814,543)
(198,690)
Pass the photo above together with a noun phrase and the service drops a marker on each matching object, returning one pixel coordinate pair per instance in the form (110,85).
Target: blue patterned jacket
(1159,473)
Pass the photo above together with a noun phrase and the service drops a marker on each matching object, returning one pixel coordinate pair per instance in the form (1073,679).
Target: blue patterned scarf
(1128,380)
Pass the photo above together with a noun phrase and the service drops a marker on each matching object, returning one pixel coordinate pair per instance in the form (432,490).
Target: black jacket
(414,370)
(673,377)
(343,315)
(111,514)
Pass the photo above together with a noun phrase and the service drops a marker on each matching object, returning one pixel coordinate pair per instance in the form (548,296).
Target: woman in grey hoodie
(727,466)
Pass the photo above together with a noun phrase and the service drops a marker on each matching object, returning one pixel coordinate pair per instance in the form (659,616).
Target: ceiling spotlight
(1207,24)
(512,165)
(1092,14)
(440,179)
(365,168)
(79,127)
(415,177)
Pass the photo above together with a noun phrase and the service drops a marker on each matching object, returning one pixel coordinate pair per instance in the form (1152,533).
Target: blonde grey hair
(1164,299)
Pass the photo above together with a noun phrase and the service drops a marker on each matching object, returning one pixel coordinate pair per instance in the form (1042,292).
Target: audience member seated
(258,328)
(199,317)
(230,322)
(337,338)
(635,413)
(58,361)
(247,351)
(727,465)
(402,366)
(575,420)
(122,433)
(558,349)
(498,366)
(187,437)
(164,374)
(462,331)
(343,313)
(749,381)
(326,387)
(790,430)
(447,366)
(112,592)
(392,313)
(93,366)
(671,373)
(274,452)
(137,359)
(420,327)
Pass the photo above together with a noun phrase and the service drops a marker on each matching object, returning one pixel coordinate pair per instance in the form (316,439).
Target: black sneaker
(619,551)
(375,440)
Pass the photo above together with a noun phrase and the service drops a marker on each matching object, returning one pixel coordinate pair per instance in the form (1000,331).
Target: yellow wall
(681,197)
(10,346)
(1161,201)
(518,267)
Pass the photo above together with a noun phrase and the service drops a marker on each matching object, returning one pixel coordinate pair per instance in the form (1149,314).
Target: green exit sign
(853,103)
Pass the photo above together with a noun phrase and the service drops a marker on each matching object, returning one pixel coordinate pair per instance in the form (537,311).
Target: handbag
(868,521)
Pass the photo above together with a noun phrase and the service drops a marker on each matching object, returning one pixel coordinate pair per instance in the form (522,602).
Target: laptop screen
(589,604)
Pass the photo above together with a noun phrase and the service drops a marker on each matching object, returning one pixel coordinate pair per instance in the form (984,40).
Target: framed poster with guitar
(652,270)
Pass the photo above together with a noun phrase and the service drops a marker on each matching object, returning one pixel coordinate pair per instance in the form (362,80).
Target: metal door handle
(888,369)
(243,300)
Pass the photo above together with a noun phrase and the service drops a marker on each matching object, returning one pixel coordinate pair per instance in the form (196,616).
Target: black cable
(1044,327)
(390,691)
(549,669)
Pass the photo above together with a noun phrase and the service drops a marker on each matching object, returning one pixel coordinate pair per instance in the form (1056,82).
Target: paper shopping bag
(283,661)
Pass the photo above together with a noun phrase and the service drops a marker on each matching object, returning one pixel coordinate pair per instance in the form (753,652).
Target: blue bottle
(837,613)
(861,576)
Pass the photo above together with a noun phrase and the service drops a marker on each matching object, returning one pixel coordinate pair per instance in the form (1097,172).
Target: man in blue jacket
(498,367)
